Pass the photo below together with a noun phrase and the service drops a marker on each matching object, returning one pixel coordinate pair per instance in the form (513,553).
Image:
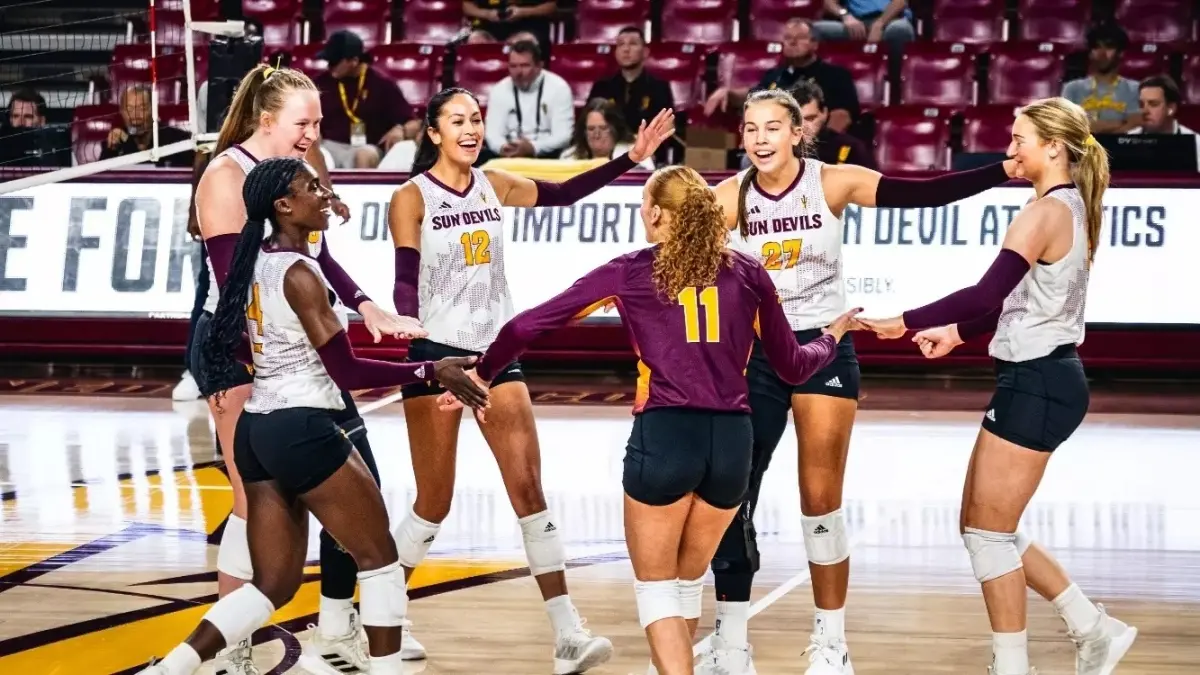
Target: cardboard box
(708,148)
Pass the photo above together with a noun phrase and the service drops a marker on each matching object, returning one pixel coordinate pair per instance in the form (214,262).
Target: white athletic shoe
(828,657)
(579,650)
(339,655)
(187,389)
(410,648)
(992,671)
(1100,650)
(236,660)
(721,659)
(153,669)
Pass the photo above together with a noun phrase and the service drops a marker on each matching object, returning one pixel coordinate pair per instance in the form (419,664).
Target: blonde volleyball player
(1033,298)
(448,229)
(692,307)
(276,113)
(787,213)
(291,452)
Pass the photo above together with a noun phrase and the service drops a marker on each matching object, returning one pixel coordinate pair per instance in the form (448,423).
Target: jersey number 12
(692,299)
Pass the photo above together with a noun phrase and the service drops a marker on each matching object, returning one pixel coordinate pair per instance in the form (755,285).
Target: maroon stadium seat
(911,139)
(937,74)
(1143,60)
(169,30)
(868,66)
(304,59)
(478,67)
(1156,20)
(767,17)
(368,19)
(432,21)
(1189,116)
(971,21)
(740,65)
(89,130)
(130,65)
(1082,6)
(175,115)
(415,68)
(601,20)
(706,22)
(281,21)
(202,10)
(1064,25)
(581,64)
(1021,72)
(988,128)
(682,67)
(1190,90)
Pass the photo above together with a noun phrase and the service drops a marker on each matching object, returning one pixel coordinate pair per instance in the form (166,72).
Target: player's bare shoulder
(727,196)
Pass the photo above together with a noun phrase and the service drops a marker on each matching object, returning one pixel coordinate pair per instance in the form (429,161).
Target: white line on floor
(376,405)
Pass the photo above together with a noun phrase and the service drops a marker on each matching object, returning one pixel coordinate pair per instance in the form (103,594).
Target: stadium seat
(707,22)
(281,21)
(169,30)
(682,67)
(478,67)
(432,21)
(1143,60)
(601,20)
(415,68)
(740,65)
(970,21)
(1082,6)
(581,64)
(1156,20)
(868,66)
(987,128)
(202,10)
(912,139)
(130,65)
(175,115)
(370,20)
(1189,116)
(767,17)
(89,129)
(937,74)
(1063,25)
(1021,72)
(1190,87)
(304,59)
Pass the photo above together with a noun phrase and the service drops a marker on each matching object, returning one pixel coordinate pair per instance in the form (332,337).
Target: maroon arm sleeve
(570,191)
(581,298)
(945,189)
(220,254)
(350,372)
(975,301)
(973,328)
(348,291)
(793,362)
(404,292)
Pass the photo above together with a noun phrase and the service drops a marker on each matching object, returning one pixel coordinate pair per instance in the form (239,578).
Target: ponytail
(263,89)
(1092,176)
(742,222)
(695,250)
(427,152)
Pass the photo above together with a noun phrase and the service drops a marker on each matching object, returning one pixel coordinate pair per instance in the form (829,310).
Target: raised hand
(381,322)
(462,387)
(885,329)
(652,135)
(937,342)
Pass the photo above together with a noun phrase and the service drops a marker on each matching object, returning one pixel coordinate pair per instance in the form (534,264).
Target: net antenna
(151,51)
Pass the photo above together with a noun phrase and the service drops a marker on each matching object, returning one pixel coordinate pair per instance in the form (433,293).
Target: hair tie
(1091,140)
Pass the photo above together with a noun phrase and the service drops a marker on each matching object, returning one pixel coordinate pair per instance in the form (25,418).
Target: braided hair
(268,181)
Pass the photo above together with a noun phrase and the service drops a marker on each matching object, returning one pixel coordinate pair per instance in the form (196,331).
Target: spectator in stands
(26,110)
(638,94)
(601,133)
(1111,101)
(136,133)
(365,112)
(829,146)
(25,138)
(1158,98)
(498,20)
(800,62)
(887,21)
(530,113)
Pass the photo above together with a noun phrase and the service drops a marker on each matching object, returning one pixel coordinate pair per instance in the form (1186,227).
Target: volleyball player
(1033,298)
(448,229)
(292,454)
(690,305)
(787,212)
(276,113)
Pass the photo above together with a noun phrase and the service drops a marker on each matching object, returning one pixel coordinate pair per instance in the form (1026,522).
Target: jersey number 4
(692,300)
(254,313)
(476,247)
(781,255)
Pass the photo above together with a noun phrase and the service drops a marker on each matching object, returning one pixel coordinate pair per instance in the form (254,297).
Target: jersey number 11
(692,299)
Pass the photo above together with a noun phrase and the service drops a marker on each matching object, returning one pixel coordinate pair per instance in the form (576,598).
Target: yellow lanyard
(358,96)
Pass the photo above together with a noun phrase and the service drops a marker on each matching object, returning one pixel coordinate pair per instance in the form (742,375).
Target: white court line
(376,405)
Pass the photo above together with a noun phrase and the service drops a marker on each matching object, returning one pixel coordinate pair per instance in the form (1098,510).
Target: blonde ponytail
(1091,177)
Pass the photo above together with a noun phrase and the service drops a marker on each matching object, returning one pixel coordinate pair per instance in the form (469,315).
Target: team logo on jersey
(804,202)
(314,237)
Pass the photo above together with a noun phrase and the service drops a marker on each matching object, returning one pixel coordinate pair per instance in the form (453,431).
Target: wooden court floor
(108,505)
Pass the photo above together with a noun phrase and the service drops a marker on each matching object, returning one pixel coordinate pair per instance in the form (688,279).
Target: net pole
(189,69)
(153,84)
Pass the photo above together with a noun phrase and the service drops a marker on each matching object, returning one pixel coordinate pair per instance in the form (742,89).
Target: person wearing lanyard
(540,117)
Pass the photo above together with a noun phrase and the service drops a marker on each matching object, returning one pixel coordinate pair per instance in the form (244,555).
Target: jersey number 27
(692,300)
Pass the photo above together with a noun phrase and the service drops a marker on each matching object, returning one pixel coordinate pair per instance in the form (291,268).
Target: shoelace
(242,658)
(825,651)
(1092,646)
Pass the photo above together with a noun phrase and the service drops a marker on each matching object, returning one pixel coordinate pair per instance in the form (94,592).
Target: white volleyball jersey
(1046,309)
(799,241)
(288,372)
(463,292)
(246,161)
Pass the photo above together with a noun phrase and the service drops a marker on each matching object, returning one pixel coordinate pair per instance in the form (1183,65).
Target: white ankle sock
(386,665)
(183,660)
(1010,653)
(732,618)
(563,617)
(1075,609)
(830,623)
(333,618)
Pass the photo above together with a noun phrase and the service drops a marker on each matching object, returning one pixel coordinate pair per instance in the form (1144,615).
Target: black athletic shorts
(425,350)
(839,379)
(198,362)
(676,451)
(1039,403)
(299,448)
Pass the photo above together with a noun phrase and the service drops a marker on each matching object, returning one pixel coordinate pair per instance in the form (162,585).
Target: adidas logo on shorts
(835,382)
(991,414)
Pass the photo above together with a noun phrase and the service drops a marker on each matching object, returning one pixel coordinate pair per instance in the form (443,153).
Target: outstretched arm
(793,362)
(850,184)
(349,292)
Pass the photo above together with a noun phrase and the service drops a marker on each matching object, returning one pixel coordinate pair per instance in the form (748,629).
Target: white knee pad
(825,538)
(233,556)
(240,613)
(543,547)
(657,600)
(993,554)
(383,597)
(691,597)
(413,539)
(1023,542)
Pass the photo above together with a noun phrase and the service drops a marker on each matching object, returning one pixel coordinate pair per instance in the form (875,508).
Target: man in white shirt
(530,113)
(1158,99)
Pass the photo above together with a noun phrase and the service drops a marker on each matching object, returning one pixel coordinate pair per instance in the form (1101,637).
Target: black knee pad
(738,551)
